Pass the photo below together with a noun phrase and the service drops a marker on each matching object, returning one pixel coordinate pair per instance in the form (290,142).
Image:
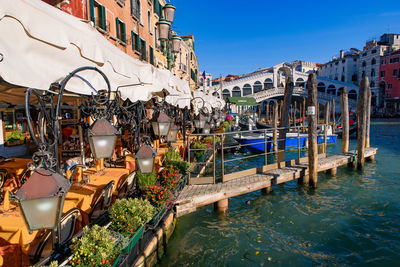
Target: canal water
(350,219)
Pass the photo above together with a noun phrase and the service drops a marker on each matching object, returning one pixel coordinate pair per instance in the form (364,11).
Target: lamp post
(145,158)
(169,40)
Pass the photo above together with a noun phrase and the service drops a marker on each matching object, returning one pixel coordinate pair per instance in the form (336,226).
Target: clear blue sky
(235,37)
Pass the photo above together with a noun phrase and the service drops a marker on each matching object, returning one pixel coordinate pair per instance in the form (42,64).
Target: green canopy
(243,101)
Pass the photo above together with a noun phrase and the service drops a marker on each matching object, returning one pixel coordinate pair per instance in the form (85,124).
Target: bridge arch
(257,87)
(300,82)
(216,94)
(339,91)
(247,90)
(268,83)
(321,87)
(331,90)
(236,92)
(225,93)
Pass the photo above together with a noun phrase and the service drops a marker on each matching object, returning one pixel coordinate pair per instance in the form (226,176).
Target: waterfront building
(193,65)
(305,66)
(180,69)
(205,85)
(343,67)
(369,62)
(389,78)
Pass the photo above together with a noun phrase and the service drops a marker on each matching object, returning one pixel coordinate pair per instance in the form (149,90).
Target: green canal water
(350,219)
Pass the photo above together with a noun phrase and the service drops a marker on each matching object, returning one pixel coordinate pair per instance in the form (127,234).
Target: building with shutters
(389,76)
(193,65)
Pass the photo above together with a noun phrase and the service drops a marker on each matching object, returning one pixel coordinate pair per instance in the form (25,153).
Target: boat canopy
(243,101)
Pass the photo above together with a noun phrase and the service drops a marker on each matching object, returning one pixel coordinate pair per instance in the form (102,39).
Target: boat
(293,140)
(262,125)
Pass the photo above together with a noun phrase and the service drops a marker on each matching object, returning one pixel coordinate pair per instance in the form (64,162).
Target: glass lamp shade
(161,124)
(163,29)
(200,121)
(145,159)
(206,129)
(172,134)
(169,12)
(212,125)
(41,199)
(215,116)
(176,43)
(102,137)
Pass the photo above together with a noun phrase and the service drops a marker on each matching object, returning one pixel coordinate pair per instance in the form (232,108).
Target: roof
(243,101)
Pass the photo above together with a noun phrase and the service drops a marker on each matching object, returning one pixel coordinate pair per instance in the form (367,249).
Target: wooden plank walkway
(195,196)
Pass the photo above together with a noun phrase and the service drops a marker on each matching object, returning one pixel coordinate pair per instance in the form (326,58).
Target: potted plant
(200,153)
(145,179)
(15,139)
(173,159)
(97,246)
(157,195)
(169,178)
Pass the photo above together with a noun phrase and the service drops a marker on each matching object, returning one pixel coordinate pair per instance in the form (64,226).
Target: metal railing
(214,157)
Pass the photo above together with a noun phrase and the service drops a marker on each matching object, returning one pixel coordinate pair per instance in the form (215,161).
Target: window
(343,60)
(383,61)
(342,78)
(364,54)
(143,55)
(395,72)
(372,72)
(135,42)
(372,84)
(156,38)
(343,69)
(149,21)
(373,61)
(354,59)
(382,73)
(388,95)
(151,55)
(394,60)
(120,30)
(373,51)
(389,86)
(98,14)
(201,82)
(157,8)
(208,81)
(363,73)
(135,8)
(354,78)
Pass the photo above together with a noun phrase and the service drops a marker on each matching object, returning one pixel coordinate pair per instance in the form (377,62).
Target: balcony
(183,67)
(120,2)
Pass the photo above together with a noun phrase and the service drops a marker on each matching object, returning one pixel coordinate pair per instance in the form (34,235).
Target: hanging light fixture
(169,12)
(161,124)
(206,129)
(163,27)
(41,199)
(176,43)
(200,121)
(145,158)
(173,132)
(102,137)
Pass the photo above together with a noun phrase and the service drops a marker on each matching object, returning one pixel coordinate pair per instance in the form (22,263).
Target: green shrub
(145,179)
(128,214)
(202,149)
(210,139)
(97,246)
(16,135)
(182,166)
(171,156)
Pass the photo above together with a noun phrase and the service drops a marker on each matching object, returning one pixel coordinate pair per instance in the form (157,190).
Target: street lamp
(199,121)
(169,12)
(163,27)
(41,199)
(176,43)
(145,158)
(161,124)
(102,137)
(206,129)
(173,132)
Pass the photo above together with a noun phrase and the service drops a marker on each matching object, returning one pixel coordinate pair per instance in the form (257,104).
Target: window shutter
(133,40)
(137,43)
(117,26)
(151,55)
(123,32)
(91,10)
(144,50)
(103,18)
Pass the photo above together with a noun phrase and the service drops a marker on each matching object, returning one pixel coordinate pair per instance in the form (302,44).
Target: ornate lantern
(161,124)
(41,199)
(169,12)
(102,137)
(176,43)
(145,158)
(172,134)
(206,129)
(163,27)
(200,121)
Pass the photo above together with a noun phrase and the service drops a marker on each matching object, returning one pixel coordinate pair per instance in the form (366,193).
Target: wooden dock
(196,196)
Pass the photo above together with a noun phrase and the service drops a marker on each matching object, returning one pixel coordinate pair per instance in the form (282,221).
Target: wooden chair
(102,202)
(127,186)
(3,176)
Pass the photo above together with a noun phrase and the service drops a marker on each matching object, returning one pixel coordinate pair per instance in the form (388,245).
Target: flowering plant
(157,195)
(169,178)
(128,214)
(97,246)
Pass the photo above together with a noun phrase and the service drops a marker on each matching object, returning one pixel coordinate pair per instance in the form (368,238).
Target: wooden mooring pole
(344,106)
(362,121)
(287,99)
(368,126)
(274,126)
(312,131)
(326,121)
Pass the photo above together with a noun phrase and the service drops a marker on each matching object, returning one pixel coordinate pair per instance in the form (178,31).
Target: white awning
(41,45)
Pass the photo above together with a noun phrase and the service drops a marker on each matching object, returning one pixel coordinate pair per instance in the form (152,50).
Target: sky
(237,37)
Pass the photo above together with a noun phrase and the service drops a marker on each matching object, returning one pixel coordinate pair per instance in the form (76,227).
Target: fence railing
(221,157)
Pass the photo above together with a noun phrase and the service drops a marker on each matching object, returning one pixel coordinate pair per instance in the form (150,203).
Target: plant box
(132,242)
(14,143)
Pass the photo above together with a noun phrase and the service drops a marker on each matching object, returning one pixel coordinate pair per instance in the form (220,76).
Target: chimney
(341,53)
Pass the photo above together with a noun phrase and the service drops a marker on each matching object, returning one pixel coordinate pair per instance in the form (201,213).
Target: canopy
(243,101)
(40,45)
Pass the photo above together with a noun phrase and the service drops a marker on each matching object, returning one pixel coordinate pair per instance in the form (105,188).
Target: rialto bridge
(269,83)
